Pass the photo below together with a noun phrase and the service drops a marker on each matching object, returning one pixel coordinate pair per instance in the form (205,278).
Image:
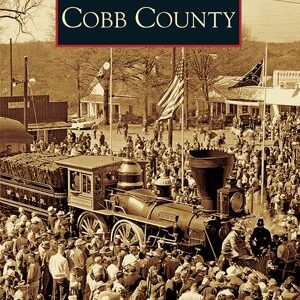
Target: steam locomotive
(103,192)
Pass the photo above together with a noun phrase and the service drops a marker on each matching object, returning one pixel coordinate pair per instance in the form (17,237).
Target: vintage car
(244,121)
(81,123)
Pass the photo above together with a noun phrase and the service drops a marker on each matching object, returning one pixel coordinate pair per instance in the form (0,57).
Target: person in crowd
(60,272)
(260,239)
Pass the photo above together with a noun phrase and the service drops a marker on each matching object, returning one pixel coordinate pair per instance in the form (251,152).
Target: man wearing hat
(51,217)
(131,257)
(132,279)
(47,281)
(79,261)
(97,241)
(20,240)
(233,245)
(260,239)
(58,224)
(22,261)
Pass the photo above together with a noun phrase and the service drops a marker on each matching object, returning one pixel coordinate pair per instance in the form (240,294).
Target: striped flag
(174,95)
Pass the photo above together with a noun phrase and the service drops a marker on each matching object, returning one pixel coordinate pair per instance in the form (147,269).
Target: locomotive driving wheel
(88,223)
(129,233)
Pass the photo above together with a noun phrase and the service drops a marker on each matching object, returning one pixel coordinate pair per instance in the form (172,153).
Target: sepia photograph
(150,172)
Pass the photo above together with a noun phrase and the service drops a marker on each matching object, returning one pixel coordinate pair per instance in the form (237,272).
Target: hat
(200,266)
(24,218)
(80,242)
(260,222)
(35,220)
(272,282)
(232,270)
(60,213)
(11,263)
(220,275)
(51,209)
(238,227)
(225,292)
(11,273)
(97,270)
(291,211)
(98,260)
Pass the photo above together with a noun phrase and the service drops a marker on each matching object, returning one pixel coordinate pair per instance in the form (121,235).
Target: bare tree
(141,71)
(18,10)
(203,65)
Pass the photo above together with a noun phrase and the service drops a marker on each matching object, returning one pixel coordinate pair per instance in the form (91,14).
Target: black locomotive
(108,193)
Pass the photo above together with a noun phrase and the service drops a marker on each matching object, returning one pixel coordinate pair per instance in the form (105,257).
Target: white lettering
(64,17)
(106,18)
(137,17)
(201,22)
(120,17)
(161,14)
(214,13)
(176,20)
(229,18)
(85,16)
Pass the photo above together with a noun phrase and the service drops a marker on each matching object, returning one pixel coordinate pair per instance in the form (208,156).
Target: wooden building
(45,118)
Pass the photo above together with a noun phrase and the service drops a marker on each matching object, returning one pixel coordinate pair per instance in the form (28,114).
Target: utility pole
(25,91)
(170,121)
(11,67)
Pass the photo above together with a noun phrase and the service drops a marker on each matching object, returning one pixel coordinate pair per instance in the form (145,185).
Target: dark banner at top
(148,22)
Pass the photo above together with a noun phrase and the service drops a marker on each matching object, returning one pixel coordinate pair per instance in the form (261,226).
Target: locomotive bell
(163,185)
(130,175)
(210,168)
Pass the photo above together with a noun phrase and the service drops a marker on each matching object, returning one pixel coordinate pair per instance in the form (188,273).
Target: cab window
(86,184)
(74,181)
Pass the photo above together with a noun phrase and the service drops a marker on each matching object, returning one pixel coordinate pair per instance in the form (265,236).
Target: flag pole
(110,104)
(264,128)
(182,120)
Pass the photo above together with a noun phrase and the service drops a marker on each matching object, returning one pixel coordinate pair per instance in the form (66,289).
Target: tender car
(81,123)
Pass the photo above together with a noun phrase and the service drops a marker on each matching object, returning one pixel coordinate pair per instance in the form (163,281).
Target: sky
(268,21)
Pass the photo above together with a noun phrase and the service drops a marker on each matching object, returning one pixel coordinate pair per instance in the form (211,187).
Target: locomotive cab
(90,179)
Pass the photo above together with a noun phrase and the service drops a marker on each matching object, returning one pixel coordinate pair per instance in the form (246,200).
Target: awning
(49,126)
(243,103)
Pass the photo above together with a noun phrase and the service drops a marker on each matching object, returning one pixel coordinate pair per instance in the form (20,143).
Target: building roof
(13,131)
(89,162)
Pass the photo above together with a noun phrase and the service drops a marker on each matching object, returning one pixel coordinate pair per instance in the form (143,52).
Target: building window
(268,109)
(86,184)
(244,109)
(232,108)
(130,109)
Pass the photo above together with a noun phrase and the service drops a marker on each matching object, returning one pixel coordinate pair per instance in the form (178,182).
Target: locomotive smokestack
(210,168)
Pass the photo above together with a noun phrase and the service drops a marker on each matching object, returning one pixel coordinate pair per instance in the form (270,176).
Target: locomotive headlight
(237,202)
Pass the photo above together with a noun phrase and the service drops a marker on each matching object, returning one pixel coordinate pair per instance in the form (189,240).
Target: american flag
(174,95)
(251,78)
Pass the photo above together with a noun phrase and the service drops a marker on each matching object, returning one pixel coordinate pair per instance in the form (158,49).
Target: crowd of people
(41,261)
(46,262)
